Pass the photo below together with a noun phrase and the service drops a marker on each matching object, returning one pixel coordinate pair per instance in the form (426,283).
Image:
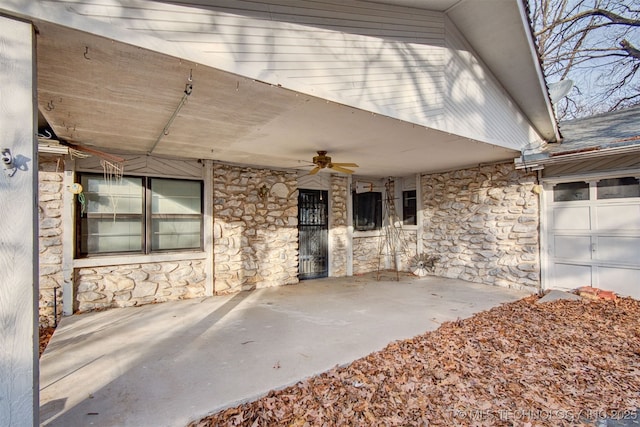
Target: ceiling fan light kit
(323,161)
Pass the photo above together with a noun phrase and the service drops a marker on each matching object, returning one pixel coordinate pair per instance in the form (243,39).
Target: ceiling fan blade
(349,165)
(340,169)
(314,170)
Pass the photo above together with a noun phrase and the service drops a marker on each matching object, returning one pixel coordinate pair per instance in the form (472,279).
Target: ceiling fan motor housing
(322,159)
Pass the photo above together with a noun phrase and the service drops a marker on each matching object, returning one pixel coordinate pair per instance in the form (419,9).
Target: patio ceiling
(117,97)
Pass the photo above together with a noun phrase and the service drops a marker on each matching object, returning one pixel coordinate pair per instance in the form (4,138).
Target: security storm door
(313,234)
(595,235)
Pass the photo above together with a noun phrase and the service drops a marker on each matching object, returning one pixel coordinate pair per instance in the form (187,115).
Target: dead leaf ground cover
(45,335)
(551,364)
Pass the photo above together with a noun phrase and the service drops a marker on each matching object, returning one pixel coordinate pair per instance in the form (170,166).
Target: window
(618,188)
(571,191)
(139,215)
(367,211)
(409,207)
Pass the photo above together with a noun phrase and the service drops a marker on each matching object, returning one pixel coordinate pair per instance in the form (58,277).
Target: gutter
(539,160)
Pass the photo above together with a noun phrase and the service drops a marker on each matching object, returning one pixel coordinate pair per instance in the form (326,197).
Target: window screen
(176,217)
(112,220)
(139,214)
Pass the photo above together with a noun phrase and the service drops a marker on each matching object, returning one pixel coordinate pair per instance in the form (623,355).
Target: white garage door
(594,235)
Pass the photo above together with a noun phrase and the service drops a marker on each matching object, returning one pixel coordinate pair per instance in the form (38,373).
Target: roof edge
(525,15)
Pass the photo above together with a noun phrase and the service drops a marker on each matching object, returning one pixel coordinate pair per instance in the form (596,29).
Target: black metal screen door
(313,229)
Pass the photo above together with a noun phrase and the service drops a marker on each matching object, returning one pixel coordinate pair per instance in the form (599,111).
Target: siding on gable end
(476,105)
(405,63)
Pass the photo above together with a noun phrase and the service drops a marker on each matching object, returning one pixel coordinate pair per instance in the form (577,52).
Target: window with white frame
(139,215)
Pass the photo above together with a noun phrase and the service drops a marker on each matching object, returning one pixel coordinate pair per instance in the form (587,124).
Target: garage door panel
(618,217)
(571,276)
(594,234)
(572,218)
(617,249)
(573,247)
(624,281)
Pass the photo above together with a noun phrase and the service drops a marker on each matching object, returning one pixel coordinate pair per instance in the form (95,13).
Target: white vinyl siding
(409,64)
(476,105)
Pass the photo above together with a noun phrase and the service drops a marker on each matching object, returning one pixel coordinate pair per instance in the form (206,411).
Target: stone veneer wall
(483,223)
(50,190)
(338,226)
(409,250)
(366,246)
(137,284)
(255,237)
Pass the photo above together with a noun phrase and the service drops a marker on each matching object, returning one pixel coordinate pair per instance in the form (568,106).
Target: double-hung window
(138,215)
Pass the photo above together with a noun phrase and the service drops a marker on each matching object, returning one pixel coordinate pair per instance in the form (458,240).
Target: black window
(367,211)
(409,207)
(138,215)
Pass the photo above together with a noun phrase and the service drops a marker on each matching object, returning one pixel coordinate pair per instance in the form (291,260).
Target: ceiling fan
(323,161)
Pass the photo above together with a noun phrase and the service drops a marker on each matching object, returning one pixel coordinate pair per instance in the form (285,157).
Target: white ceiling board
(118,97)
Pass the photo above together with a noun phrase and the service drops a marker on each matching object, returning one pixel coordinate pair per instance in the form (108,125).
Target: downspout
(349,227)
(419,216)
(542,238)
(330,229)
(68,216)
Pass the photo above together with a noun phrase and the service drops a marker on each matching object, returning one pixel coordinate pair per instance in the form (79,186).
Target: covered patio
(188,93)
(168,364)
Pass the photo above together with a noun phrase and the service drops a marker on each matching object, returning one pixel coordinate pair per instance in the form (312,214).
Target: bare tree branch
(592,42)
(629,100)
(612,17)
(631,50)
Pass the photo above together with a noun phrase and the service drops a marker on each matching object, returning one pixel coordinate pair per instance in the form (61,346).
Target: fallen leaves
(45,335)
(550,364)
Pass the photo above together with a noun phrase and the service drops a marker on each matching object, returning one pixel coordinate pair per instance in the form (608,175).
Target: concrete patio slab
(170,363)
